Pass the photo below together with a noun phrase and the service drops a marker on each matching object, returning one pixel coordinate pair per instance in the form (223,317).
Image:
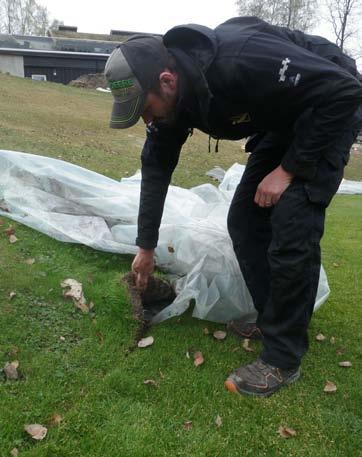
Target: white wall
(12,64)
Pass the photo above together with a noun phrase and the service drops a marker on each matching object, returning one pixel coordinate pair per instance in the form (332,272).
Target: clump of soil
(157,296)
(91,81)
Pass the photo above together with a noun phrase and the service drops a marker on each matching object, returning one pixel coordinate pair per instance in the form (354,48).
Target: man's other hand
(142,267)
(272,186)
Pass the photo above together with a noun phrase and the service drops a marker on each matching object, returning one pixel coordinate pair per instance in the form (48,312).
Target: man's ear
(168,80)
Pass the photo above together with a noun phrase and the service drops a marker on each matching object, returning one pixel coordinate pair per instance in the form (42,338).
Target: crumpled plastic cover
(72,204)
(230,179)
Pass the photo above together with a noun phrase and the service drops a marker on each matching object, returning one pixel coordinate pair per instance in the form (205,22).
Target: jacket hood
(194,47)
(195,40)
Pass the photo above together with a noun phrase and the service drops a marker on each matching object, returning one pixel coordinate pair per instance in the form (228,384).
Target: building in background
(62,56)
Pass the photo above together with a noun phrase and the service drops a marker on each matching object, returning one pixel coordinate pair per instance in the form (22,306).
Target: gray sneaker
(260,378)
(243,329)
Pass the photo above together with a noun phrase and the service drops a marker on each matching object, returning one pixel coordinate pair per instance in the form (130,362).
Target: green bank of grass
(72,124)
(87,378)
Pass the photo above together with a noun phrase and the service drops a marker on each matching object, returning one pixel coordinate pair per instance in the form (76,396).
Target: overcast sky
(155,16)
(140,15)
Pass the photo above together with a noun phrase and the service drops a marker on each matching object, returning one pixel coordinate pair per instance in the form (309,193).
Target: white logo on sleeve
(283,69)
(294,80)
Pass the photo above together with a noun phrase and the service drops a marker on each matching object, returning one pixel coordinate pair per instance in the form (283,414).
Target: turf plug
(158,294)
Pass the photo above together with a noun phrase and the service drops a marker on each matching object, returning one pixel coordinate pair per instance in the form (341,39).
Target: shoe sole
(232,387)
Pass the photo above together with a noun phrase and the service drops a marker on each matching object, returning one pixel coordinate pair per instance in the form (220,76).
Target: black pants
(278,249)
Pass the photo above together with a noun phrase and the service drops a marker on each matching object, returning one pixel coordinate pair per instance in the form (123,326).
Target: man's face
(161,107)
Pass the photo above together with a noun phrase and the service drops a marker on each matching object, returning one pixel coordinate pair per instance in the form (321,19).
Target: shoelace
(256,368)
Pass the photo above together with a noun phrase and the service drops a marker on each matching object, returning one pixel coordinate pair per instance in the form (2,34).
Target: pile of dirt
(91,81)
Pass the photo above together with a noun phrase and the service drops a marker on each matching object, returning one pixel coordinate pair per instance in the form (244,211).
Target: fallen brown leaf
(30,261)
(320,337)
(246,346)
(170,249)
(13,351)
(219,335)
(36,431)
(340,351)
(162,376)
(188,425)
(235,349)
(286,432)
(330,387)
(11,371)
(218,421)
(13,239)
(150,382)
(74,290)
(145,342)
(345,364)
(100,337)
(206,331)
(335,264)
(12,295)
(14,452)
(198,358)
(10,231)
(55,420)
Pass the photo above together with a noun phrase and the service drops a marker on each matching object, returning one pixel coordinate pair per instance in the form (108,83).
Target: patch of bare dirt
(158,295)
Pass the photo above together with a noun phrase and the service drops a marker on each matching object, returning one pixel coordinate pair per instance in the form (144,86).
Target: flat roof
(41,52)
(115,35)
(86,36)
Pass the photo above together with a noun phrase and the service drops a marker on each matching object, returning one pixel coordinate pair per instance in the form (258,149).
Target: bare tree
(25,17)
(295,14)
(8,13)
(55,24)
(300,14)
(41,17)
(342,14)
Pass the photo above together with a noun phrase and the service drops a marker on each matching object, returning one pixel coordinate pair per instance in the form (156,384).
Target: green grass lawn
(86,376)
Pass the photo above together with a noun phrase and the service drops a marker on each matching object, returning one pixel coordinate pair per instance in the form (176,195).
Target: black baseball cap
(131,70)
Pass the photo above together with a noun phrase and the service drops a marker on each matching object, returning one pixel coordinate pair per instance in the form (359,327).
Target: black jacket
(243,78)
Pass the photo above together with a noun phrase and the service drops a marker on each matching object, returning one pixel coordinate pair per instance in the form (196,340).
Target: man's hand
(142,267)
(272,186)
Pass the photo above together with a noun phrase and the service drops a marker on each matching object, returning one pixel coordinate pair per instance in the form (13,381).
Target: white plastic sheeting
(100,89)
(230,179)
(73,204)
(350,187)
